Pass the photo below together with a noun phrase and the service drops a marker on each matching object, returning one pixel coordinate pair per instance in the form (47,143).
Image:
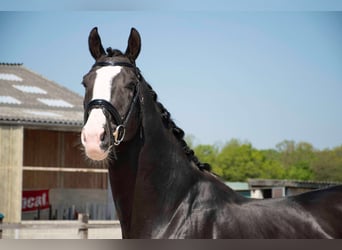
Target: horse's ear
(95,45)
(134,45)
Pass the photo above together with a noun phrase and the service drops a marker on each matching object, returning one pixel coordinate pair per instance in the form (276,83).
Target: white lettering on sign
(32,200)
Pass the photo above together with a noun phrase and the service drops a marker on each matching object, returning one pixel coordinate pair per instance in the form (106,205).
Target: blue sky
(258,76)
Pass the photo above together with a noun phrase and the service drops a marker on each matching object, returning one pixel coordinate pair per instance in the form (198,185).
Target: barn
(268,188)
(42,170)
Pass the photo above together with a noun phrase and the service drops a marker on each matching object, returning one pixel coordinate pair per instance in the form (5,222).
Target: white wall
(68,201)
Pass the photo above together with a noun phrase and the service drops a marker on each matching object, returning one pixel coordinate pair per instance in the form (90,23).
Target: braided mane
(177,132)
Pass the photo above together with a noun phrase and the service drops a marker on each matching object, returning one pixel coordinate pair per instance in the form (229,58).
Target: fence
(78,229)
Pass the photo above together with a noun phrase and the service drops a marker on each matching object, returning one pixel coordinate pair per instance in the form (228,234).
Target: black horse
(160,188)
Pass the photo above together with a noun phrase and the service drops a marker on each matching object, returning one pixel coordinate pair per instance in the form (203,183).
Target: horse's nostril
(102,136)
(83,137)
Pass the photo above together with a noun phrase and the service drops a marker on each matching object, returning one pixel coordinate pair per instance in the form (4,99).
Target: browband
(109,63)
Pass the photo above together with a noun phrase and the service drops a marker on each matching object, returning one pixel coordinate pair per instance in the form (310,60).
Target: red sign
(33,199)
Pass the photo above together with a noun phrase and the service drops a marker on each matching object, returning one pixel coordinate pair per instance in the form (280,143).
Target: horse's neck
(122,174)
(151,176)
(164,173)
(163,180)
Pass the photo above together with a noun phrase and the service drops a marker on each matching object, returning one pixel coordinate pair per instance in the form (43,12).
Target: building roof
(238,186)
(28,98)
(266,183)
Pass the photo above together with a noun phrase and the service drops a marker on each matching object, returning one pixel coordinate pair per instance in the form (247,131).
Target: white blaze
(103,82)
(94,128)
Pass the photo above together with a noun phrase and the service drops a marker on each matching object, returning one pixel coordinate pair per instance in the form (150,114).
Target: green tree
(240,161)
(327,166)
(272,167)
(297,159)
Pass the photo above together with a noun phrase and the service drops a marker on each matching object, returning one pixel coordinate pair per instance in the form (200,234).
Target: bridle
(120,130)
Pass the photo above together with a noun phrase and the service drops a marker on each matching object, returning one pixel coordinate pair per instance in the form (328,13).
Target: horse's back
(315,214)
(325,206)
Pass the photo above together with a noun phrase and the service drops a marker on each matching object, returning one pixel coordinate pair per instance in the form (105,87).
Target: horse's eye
(131,86)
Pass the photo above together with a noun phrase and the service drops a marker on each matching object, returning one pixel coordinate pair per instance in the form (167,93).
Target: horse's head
(111,93)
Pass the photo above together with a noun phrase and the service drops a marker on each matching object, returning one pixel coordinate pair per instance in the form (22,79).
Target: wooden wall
(57,149)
